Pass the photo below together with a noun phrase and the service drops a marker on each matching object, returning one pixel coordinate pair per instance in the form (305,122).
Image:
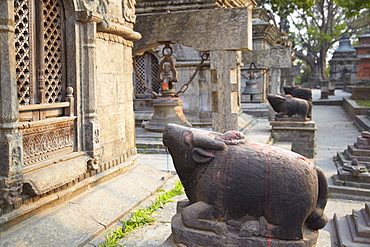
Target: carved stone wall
(55,146)
(45,141)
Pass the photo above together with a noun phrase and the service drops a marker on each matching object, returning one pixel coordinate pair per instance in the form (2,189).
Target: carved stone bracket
(97,11)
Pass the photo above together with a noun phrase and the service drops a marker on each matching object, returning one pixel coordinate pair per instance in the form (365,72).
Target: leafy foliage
(318,24)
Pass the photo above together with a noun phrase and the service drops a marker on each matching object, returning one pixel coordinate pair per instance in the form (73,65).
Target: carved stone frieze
(47,140)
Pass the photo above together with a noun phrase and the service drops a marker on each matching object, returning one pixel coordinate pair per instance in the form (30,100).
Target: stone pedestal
(331,87)
(324,89)
(300,134)
(353,230)
(184,236)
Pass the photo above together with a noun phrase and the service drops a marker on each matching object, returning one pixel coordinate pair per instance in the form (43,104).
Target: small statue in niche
(288,106)
(233,185)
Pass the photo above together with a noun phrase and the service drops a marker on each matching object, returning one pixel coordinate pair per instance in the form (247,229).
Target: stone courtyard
(87,88)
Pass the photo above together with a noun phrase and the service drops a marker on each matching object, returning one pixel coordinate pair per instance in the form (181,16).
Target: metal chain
(141,80)
(185,87)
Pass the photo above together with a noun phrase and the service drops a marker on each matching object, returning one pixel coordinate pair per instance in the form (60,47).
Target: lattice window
(23,48)
(39,51)
(53,37)
(148,66)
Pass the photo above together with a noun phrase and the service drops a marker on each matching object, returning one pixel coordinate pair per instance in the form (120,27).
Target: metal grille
(148,66)
(154,71)
(140,64)
(23,51)
(53,46)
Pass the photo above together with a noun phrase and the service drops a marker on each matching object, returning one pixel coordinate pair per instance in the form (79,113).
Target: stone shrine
(343,65)
(353,164)
(210,28)
(353,230)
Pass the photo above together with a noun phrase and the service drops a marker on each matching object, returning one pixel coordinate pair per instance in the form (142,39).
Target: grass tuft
(141,217)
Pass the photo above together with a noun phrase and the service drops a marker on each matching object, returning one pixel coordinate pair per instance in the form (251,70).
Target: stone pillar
(225,90)
(91,130)
(300,134)
(331,87)
(11,151)
(324,84)
(275,81)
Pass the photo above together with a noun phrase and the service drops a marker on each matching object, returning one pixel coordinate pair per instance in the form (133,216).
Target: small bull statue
(299,92)
(234,186)
(289,106)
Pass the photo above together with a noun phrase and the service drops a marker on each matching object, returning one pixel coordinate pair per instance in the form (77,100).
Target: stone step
(342,159)
(361,223)
(77,220)
(358,152)
(338,191)
(150,146)
(363,122)
(350,157)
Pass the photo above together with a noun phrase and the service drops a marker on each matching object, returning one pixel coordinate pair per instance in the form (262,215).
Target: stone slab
(61,171)
(204,30)
(358,152)
(81,218)
(277,57)
(350,156)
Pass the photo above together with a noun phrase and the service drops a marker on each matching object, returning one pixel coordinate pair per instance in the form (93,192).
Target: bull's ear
(201,156)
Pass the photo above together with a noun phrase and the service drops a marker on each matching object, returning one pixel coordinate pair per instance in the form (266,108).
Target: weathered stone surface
(204,30)
(267,192)
(81,218)
(300,134)
(225,81)
(353,230)
(61,172)
(277,57)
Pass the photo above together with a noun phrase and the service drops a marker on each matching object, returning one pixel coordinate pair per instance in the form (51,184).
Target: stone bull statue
(233,185)
(289,106)
(299,92)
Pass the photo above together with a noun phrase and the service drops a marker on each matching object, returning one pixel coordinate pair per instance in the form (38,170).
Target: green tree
(318,24)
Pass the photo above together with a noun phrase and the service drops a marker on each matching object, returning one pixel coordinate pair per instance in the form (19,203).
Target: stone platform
(300,134)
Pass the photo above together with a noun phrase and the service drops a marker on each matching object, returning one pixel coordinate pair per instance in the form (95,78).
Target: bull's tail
(317,219)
